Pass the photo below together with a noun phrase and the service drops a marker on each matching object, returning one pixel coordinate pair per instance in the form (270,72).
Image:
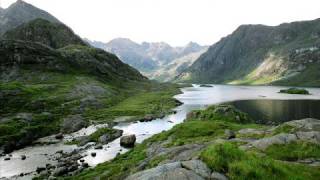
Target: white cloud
(174,21)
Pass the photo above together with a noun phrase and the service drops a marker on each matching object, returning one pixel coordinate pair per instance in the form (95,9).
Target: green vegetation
(294,91)
(156,100)
(294,151)
(237,164)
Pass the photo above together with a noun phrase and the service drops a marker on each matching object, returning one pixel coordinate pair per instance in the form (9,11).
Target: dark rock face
(55,35)
(271,51)
(128,141)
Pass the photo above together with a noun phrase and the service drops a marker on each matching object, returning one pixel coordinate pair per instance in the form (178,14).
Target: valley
(246,107)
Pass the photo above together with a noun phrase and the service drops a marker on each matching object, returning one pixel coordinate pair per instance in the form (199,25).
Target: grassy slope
(58,95)
(208,126)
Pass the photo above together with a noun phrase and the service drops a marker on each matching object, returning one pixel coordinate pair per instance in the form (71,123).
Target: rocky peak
(55,35)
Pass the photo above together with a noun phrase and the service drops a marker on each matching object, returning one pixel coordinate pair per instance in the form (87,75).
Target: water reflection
(278,111)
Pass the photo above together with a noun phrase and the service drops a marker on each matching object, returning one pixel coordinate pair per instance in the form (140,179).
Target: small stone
(23,157)
(99,146)
(7,158)
(93,154)
(59,136)
(82,160)
(229,134)
(39,169)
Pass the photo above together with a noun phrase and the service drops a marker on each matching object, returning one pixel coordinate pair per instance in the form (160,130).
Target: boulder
(282,138)
(60,171)
(308,124)
(99,146)
(23,157)
(170,171)
(198,167)
(128,141)
(106,138)
(40,169)
(311,136)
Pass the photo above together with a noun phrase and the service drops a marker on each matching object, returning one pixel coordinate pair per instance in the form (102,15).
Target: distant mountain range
(153,58)
(288,54)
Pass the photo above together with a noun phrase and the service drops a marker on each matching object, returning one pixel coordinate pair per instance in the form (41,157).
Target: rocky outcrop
(73,123)
(306,130)
(180,170)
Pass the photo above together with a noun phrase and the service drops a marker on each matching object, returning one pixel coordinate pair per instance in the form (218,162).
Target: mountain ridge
(258,54)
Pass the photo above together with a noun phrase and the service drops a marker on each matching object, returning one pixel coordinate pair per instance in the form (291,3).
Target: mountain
(21,12)
(50,79)
(55,35)
(287,54)
(168,72)
(152,58)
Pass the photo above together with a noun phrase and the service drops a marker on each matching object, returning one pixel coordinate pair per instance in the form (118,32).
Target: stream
(264,103)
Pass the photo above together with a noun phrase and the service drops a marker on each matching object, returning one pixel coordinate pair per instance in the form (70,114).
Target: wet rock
(40,169)
(23,157)
(128,141)
(60,171)
(229,134)
(218,176)
(21,174)
(81,160)
(93,154)
(7,158)
(147,118)
(106,138)
(99,146)
(198,167)
(177,102)
(59,152)
(83,140)
(73,123)
(59,136)
(85,165)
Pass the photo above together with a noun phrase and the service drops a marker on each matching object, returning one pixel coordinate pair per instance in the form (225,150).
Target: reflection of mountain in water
(277,111)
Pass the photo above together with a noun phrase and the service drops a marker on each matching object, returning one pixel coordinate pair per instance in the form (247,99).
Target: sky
(176,22)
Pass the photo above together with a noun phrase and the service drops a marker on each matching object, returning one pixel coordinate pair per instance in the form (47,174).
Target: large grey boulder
(128,141)
(171,171)
(106,138)
(310,136)
(73,123)
(198,167)
(277,139)
(308,124)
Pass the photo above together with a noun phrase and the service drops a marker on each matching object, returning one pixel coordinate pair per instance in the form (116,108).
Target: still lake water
(265,104)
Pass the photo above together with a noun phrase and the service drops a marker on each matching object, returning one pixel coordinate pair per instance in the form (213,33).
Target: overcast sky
(173,21)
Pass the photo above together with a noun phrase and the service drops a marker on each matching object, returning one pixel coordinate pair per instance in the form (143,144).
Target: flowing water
(263,103)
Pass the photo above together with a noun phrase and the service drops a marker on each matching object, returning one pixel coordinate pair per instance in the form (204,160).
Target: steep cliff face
(19,13)
(257,54)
